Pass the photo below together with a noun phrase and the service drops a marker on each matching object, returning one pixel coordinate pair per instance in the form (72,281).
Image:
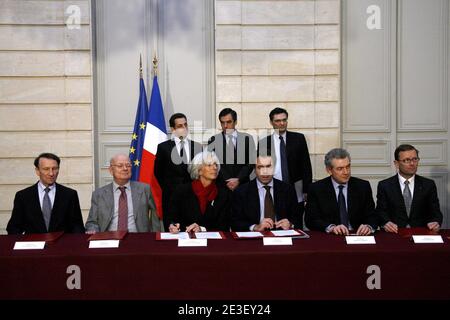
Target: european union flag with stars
(137,139)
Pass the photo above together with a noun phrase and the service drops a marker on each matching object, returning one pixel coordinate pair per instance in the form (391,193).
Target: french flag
(155,133)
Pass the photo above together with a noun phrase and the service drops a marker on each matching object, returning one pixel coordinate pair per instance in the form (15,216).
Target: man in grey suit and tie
(123,204)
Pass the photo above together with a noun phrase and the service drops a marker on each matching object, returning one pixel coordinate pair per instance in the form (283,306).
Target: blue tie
(342,208)
(284,164)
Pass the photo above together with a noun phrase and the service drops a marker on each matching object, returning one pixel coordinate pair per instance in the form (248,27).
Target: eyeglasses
(410,160)
(122,166)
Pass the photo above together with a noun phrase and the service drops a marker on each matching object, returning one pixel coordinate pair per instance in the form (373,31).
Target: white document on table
(360,239)
(249,234)
(174,236)
(273,241)
(428,239)
(208,235)
(29,245)
(284,233)
(192,242)
(103,244)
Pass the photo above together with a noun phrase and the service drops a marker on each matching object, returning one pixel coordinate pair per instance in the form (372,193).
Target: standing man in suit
(340,203)
(46,206)
(122,205)
(172,159)
(293,162)
(236,151)
(407,199)
(265,202)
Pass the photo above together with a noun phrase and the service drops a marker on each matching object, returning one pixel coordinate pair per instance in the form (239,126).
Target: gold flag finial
(155,65)
(140,66)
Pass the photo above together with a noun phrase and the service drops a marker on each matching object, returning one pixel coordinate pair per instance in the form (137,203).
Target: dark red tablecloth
(322,267)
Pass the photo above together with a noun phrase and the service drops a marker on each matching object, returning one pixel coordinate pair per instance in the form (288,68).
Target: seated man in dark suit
(46,206)
(340,203)
(235,150)
(407,199)
(172,159)
(293,161)
(264,203)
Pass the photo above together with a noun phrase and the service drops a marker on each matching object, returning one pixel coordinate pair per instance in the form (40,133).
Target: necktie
(230,150)
(407,197)
(123,210)
(284,164)
(269,210)
(47,208)
(342,208)
(183,154)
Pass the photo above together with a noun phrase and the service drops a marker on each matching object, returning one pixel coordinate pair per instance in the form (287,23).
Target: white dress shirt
(51,193)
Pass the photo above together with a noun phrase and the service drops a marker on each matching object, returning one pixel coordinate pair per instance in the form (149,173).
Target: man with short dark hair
(46,206)
(340,203)
(408,199)
(293,164)
(172,159)
(235,150)
(264,203)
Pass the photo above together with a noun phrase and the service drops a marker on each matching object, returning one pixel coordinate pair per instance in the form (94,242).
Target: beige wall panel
(45,90)
(326,62)
(228,12)
(327,88)
(327,37)
(40,12)
(278,63)
(228,63)
(256,115)
(228,89)
(327,115)
(45,117)
(228,38)
(279,37)
(326,139)
(44,38)
(21,171)
(327,12)
(30,144)
(277,12)
(45,63)
(271,89)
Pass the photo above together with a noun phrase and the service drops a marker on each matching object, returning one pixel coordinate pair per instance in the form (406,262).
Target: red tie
(123,210)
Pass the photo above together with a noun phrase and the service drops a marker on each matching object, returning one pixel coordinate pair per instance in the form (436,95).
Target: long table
(321,267)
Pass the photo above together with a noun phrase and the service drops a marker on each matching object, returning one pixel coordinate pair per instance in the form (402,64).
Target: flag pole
(140,66)
(155,65)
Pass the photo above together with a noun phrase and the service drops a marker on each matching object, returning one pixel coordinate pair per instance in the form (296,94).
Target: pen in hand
(174,227)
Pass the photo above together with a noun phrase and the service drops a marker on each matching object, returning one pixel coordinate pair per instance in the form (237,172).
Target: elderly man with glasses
(408,199)
(122,205)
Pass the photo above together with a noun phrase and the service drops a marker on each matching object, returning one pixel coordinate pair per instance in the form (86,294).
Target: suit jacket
(27,216)
(244,155)
(170,172)
(246,210)
(185,209)
(322,206)
(299,162)
(424,206)
(102,208)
